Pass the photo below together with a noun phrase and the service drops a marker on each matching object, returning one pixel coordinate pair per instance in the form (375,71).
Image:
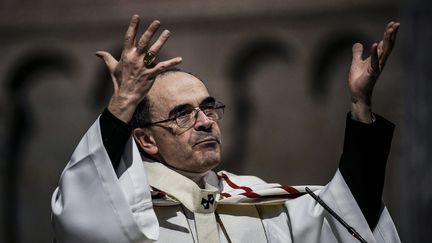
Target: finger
(129,39)
(109,60)
(390,24)
(148,34)
(155,48)
(167,64)
(390,34)
(357,51)
(375,67)
(394,34)
(388,41)
(380,48)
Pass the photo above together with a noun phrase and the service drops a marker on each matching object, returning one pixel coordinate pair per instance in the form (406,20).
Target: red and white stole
(227,195)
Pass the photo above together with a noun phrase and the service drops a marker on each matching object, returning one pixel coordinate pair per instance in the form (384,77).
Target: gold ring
(148,59)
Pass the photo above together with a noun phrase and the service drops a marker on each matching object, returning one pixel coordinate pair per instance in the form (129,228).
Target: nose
(202,121)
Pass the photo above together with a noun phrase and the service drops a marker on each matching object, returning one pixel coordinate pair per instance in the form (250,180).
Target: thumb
(109,60)
(357,51)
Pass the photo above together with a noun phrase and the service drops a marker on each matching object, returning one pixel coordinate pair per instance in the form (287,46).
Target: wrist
(122,107)
(361,112)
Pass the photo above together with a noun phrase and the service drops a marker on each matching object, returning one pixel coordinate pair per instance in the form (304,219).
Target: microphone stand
(350,229)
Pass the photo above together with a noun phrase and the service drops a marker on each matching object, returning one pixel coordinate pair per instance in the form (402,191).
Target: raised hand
(132,77)
(364,73)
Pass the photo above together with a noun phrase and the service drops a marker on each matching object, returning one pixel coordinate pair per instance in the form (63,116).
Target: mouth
(207,142)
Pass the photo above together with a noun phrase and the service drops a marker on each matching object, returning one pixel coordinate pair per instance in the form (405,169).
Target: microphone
(350,229)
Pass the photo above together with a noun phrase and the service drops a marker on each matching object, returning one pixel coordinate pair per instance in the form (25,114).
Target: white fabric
(95,204)
(202,202)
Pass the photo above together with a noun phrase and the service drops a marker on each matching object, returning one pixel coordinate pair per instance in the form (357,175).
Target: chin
(209,161)
(212,164)
(207,157)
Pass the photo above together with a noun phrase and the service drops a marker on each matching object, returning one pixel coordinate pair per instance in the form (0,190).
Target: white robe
(93,203)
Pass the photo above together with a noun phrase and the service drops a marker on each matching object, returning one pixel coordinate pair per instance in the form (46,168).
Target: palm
(362,79)
(365,72)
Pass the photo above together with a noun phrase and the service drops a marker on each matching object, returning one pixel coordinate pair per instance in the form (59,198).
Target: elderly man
(158,184)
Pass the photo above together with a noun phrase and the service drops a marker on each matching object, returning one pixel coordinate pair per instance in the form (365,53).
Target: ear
(144,137)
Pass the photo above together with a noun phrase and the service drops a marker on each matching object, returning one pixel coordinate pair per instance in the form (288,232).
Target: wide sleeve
(363,163)
(94,203)
(311,223)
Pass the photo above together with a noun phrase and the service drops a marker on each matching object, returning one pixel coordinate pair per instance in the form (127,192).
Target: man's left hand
(364,73)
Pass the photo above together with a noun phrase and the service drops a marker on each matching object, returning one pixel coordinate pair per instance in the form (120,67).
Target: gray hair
(142,114)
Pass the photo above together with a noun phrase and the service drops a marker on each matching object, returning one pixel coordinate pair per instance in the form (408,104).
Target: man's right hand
(131,78)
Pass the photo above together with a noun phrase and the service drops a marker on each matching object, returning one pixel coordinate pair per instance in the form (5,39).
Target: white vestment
(93,203)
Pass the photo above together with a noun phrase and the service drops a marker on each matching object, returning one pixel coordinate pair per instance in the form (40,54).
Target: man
(159,186)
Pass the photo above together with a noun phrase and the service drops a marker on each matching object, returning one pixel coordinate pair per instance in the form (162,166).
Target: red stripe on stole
(293,193)
(289,189)
(235,186)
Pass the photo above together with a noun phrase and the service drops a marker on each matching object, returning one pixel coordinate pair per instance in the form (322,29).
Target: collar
(185,190)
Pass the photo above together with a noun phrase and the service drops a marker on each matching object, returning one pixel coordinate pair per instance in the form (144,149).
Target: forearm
(363,163)
(115,133)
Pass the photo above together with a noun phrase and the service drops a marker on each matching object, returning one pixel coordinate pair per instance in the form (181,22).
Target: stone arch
(20,121)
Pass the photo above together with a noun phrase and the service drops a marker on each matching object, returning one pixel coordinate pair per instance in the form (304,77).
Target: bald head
(168,84)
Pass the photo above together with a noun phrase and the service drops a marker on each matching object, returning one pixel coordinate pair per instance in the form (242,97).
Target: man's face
(195,149)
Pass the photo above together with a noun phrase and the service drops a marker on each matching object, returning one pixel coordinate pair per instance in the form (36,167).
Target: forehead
(176,88)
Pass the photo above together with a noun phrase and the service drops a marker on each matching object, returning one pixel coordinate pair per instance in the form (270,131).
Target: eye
(183,113)
(208,107)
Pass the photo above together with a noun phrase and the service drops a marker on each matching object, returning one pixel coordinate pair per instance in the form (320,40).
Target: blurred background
(281,67)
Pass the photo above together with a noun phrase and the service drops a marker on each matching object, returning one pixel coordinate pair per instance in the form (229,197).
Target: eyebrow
(208,100)
(181,107)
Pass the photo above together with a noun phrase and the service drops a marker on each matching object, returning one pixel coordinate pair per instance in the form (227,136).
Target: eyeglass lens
(189,119)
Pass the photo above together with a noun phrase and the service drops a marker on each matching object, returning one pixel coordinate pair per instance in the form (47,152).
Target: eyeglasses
(186,118)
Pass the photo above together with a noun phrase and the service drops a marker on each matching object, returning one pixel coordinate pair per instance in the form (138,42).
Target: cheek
(175,147)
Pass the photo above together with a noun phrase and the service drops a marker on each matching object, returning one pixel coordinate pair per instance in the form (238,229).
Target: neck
(198,178)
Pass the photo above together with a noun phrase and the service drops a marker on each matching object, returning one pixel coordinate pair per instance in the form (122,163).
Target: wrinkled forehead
(176,88)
